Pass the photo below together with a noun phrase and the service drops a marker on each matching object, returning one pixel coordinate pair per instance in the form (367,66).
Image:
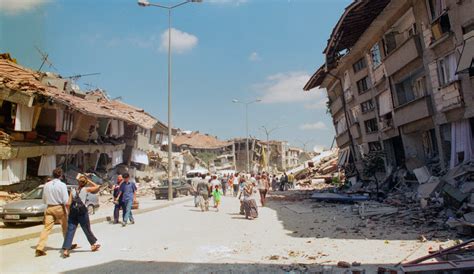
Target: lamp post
(268,132)
(247,125)
(305,143)
(145,3)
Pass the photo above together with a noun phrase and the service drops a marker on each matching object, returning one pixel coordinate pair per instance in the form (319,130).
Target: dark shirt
(116,190)
(127,189)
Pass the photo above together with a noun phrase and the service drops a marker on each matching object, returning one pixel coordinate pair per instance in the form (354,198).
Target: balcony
(412,111)
(448,97)
(342,139)
(403,55)
(336,106)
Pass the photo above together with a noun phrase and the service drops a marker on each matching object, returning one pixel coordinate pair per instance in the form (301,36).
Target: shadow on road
(123,266)
(306,218)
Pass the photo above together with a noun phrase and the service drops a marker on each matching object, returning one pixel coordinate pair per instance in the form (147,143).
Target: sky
(221,50)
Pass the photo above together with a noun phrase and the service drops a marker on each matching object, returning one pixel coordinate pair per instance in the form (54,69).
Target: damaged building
(399,79)
(47,122)
(209,151)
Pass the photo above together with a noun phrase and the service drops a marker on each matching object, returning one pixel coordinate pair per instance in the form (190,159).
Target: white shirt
(55,193)
(215,183)
(235,181)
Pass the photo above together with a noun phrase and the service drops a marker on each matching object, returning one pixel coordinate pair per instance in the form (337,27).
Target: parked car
(30,209)
(180,187)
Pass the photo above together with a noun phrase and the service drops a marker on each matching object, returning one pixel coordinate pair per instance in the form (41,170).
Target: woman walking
(249,202)
(263,186)
(78,215)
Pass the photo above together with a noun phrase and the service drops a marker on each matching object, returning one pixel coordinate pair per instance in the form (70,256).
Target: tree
(374,163)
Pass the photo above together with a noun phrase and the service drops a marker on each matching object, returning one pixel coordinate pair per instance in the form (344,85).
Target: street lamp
(268,132)
(247,125)
(145,3)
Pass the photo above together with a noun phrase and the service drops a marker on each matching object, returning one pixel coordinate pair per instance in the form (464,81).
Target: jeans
(127,211)
(117,208)
(236,190)
(72,223)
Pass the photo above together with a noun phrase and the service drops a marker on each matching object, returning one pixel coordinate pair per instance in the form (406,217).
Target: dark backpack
(77,206)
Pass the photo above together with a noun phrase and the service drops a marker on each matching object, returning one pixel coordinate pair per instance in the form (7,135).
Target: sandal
(95,247)
(65,253)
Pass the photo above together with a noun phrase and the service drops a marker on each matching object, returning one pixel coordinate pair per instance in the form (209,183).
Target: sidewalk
(25,232)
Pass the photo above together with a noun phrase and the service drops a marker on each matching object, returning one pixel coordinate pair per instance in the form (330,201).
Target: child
(217,194)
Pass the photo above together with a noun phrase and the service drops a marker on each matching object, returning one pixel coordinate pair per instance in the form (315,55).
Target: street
(180,239)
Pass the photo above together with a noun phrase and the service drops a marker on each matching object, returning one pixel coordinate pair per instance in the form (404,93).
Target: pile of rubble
(321,169)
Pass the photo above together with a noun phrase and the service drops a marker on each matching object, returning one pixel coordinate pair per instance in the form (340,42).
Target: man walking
(118,205)
(55,196)
(127,195)
(235,184)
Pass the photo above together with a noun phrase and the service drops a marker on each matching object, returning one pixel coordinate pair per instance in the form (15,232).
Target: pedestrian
(118,205)
(235,184)
(291,180)
(217,194)
(194,183)
(249,201)
(55,197)
(127,195)
(241,187)
(224,184)
(263,186)
(203,194)
(78,214)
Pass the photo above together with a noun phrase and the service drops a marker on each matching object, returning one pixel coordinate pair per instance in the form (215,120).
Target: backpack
(77,206)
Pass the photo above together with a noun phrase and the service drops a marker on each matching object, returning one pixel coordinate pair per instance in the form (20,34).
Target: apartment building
(399,79)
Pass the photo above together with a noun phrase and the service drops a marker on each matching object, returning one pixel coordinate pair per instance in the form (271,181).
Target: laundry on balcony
(139,156)
(24,118)
(12,171)
(461,142)
(47,165)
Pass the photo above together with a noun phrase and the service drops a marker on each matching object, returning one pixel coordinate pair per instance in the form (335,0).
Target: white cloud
(233,2)
(288,88)
(180,41)
(254,57)
(315,126)
(321,104)
(14,7)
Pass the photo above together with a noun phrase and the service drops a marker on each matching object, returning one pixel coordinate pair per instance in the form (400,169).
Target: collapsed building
(399,80)
(209,151)
(47,122)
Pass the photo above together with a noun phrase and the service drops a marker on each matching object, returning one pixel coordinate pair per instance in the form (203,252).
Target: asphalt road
(181,239)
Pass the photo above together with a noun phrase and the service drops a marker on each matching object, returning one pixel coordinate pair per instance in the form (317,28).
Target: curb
(95,221)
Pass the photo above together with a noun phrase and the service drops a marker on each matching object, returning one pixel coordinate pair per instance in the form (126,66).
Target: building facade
(399,79)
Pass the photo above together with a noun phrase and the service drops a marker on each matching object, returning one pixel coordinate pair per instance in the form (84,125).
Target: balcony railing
(448,97)
(403,55)
(413,111)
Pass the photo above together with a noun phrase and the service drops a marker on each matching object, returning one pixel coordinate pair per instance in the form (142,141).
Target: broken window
(411,88)
(447,69)
(359,65)
(390,42)
(367,106)
(375,146)
(371,126)
(376,56)
(363,85)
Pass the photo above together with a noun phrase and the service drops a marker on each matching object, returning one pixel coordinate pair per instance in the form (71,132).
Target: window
(411,88)
(437,7)
(360,64)
(371,126)
(447,69)
(375,146)
(363,85)
(376,56)
(367,106)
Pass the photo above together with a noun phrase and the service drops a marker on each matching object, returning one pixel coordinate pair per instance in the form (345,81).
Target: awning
(343,156)
(466,62)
